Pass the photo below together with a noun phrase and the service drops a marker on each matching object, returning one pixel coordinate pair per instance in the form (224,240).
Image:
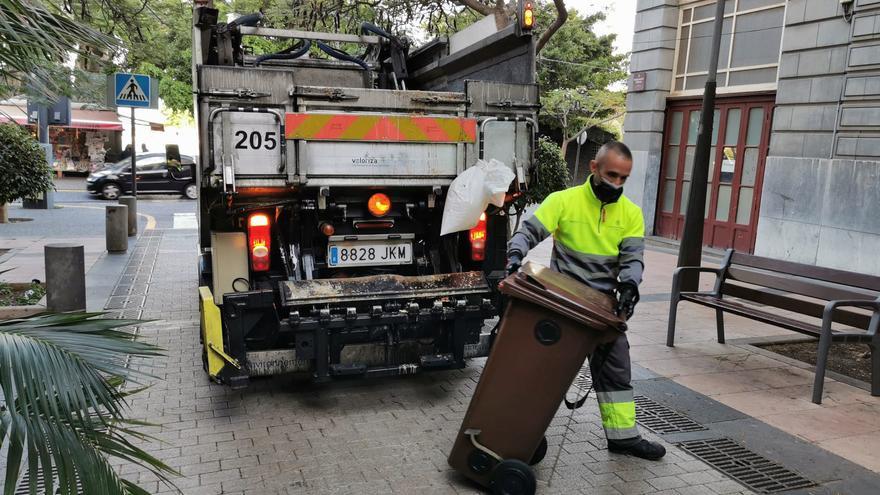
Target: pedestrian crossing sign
(133,90)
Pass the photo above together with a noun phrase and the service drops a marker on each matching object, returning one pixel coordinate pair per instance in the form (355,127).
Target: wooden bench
(756,287)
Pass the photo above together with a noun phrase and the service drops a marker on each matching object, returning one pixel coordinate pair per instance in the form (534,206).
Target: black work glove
(514,261)
(627,298)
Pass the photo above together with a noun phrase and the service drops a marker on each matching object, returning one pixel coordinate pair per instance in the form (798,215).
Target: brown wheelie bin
(550,325)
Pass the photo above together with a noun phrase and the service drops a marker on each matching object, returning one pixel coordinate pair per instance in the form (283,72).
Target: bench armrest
(828,313)
(676,277)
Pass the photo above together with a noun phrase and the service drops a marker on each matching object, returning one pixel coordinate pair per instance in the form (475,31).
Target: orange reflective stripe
(355,127)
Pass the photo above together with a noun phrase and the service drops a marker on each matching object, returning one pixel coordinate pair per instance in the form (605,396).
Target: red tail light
(260,240)
(478,239)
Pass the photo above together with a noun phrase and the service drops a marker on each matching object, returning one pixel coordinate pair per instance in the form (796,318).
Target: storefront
(92,139)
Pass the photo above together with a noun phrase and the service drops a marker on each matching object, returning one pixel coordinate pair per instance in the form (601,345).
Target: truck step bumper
(381,288)
(275,362)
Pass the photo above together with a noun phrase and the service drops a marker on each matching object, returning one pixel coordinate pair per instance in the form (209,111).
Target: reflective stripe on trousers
(611,381)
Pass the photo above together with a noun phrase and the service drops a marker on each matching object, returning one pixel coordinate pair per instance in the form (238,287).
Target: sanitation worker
(599,239)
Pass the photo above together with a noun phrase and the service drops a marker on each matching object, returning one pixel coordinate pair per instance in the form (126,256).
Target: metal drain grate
(660,419)
(752,470)
(24,485)
(583,380)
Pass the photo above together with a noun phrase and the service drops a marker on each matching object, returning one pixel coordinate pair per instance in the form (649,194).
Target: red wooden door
(740,138)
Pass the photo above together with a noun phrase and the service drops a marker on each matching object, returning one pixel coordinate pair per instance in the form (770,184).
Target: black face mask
(604,190)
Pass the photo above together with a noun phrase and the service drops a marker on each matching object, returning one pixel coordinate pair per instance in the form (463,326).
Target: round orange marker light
(327,229)
(379,204)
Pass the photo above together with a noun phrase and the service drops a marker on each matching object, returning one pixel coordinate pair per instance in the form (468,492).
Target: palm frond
(61,405)
(34,36)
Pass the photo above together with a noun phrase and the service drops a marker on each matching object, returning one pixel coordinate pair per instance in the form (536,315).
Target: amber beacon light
(528,15)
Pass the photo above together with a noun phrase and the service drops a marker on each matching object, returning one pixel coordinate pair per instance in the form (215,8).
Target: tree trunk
(561,17)
(564,147)
(4,215)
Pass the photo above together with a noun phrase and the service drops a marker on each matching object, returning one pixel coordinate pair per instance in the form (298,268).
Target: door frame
(672,223)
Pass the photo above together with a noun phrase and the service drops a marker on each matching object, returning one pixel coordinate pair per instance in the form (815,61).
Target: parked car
(155,175)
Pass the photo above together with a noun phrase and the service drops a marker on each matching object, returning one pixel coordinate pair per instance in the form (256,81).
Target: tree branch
(478,6)
(590,126)
(561,17)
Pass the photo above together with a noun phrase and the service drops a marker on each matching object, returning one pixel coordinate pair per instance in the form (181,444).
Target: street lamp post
(691,247)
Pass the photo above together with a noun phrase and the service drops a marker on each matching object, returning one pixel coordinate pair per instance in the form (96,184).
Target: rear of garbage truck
(324,173)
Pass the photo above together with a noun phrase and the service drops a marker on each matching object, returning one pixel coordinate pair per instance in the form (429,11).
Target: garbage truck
(323,175)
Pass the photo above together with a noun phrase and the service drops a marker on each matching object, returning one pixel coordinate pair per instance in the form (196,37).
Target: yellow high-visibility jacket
(598,244)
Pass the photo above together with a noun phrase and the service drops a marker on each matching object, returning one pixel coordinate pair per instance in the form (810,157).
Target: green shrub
(551,173)
(24,172)
(23,297)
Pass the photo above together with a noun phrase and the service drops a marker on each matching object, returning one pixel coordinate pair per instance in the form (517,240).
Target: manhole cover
(660,419)
(752,470)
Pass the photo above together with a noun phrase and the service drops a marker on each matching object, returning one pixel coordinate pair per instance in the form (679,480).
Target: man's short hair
(615,146)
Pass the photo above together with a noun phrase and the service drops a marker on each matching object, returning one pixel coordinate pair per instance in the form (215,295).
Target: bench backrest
(780,282)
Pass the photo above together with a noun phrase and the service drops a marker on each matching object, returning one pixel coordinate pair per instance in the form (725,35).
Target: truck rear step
(382,288)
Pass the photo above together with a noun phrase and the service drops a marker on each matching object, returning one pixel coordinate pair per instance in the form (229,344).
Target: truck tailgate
(381,287)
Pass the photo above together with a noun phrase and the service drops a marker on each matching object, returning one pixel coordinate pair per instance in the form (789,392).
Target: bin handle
(472,433)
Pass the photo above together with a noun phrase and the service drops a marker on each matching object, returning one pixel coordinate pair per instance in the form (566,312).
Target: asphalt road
(79,213)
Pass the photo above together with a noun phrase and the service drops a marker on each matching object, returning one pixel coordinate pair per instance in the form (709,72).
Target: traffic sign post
(134,91)
(134,182)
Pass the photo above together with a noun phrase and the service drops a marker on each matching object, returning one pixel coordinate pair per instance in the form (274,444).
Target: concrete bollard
(131,203)
(116,230)
(65,277)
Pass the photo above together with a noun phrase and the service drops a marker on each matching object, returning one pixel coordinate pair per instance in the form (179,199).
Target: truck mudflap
(382,288)
(368,326)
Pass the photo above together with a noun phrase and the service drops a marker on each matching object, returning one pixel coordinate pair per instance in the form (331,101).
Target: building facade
(795,168)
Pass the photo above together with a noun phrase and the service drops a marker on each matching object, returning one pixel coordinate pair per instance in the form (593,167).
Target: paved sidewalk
(360,437)
(392,435)
(766,386)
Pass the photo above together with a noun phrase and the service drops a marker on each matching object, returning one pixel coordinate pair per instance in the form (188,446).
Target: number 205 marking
(255,140)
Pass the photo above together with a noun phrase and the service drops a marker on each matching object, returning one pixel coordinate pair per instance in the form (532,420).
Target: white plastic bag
(472,191)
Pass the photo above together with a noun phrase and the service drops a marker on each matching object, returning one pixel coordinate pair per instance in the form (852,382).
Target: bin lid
(563,294)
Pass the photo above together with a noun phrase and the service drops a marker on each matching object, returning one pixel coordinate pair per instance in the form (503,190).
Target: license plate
(367,253)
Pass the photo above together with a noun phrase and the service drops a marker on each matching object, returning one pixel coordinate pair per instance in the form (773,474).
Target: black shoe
(641,448)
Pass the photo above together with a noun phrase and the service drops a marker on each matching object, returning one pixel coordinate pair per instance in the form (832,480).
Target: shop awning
(103,120)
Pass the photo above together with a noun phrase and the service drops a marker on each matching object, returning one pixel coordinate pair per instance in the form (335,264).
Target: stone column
(131,203)
(65,277)
(117,228)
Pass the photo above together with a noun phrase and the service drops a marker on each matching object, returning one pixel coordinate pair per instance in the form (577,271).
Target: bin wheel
(540,452)
(513,477)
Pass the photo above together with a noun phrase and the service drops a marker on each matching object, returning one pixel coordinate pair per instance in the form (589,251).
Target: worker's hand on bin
(514,261)
(627,298)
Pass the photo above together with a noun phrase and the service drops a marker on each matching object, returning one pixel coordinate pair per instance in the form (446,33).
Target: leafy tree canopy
(576,110)
(577,57)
